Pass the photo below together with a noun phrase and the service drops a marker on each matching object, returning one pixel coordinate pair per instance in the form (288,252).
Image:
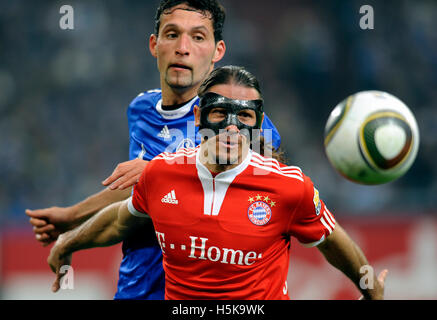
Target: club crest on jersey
(260,211)
(185,143)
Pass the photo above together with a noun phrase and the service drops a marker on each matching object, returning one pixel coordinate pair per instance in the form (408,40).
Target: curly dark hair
(207,7)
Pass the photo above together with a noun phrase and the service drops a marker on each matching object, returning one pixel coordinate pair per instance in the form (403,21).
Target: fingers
(56,284)
(119,171)
(45,238)
(130,182)
(113,177)
(382,276)
(41,213)
(57,263)
(129,179)
(43,229)
(125,174)
(37,222)
(47,242)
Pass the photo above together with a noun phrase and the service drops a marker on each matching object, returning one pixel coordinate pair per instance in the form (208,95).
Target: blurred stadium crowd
(64,93)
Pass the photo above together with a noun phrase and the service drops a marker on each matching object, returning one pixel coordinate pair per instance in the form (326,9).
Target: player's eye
(217,115)
(247,116)
(198,38)
(171,35)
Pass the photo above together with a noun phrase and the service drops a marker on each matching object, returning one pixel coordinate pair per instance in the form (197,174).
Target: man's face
(185,48)
(229,146)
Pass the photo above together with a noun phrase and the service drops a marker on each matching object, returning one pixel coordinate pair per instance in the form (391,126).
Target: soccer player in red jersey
(223,214)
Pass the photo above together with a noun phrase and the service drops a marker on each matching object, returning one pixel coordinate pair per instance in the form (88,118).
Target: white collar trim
(215,189)
(175,114)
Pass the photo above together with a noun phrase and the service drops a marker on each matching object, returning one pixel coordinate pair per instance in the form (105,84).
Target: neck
(172,96)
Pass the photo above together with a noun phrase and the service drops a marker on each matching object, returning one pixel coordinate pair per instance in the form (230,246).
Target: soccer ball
(371,138)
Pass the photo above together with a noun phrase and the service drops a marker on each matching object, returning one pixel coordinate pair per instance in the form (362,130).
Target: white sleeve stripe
(330,214)
(326,225)
(298,177)
(134,211)
(275,165)
(329,219)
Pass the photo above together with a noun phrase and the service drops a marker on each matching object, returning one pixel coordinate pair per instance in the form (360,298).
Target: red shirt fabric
(228,236)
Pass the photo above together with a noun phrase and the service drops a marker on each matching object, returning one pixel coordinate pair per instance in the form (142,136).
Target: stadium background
(63,128)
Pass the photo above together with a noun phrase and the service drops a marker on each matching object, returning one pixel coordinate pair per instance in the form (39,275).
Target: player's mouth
(229,141)
(179,67)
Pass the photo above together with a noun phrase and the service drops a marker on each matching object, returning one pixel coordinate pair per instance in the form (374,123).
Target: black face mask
(232,108)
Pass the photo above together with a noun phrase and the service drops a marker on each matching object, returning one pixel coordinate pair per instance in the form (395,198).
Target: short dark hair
(212,7)
(230,74)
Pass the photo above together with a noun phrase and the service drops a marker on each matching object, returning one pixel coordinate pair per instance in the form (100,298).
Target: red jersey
(228,236)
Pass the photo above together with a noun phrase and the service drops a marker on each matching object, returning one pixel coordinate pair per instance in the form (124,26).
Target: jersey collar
(178,113)
(215,189)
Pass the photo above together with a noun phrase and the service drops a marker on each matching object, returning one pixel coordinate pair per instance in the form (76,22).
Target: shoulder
(147,98)
(182,156)
(273,166)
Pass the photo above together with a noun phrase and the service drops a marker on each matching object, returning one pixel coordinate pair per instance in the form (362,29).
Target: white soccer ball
(371,137)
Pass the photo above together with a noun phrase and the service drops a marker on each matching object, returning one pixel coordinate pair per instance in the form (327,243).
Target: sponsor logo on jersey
(200,249)
(185,143)
(170,198)
(165,133)
(316,200)
(260,211)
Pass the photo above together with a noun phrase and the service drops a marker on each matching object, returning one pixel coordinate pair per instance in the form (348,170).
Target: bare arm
(342,252)
(109,226)
(48,223)
(87,208)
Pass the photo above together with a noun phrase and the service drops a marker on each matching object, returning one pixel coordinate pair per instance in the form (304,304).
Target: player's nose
(232,128)
(183,45)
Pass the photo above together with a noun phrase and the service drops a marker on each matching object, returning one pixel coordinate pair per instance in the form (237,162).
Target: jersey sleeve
(137,205)
(270,133)
(311,222)
(135,118)
(135,147)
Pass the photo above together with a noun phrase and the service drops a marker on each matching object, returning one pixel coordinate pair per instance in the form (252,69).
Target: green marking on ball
(394,135)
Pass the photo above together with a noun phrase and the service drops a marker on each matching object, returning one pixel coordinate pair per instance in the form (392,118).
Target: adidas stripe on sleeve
(134,211)
(311,222)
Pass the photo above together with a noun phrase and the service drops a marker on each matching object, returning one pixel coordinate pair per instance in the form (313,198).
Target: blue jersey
(153,130)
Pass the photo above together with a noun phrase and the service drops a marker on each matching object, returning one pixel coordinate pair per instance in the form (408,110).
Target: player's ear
(153,39)
(196,111)
(220,49)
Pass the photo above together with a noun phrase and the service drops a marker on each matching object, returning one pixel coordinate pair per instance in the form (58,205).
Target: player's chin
(228,154)
(179,81)
(227,159)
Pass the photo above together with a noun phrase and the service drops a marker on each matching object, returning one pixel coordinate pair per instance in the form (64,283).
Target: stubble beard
(224,156)
(179,82)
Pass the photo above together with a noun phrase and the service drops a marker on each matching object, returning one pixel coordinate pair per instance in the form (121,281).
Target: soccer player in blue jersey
(187,43)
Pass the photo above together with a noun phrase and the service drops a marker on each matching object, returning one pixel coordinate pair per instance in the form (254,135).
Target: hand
(49,223)
(381,281)
(126,174)
(56,260)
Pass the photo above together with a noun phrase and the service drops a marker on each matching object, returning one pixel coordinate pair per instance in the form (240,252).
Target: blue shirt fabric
(152,131)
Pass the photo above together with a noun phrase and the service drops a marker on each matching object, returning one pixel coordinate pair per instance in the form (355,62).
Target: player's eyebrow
(200,28)
(193,29)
